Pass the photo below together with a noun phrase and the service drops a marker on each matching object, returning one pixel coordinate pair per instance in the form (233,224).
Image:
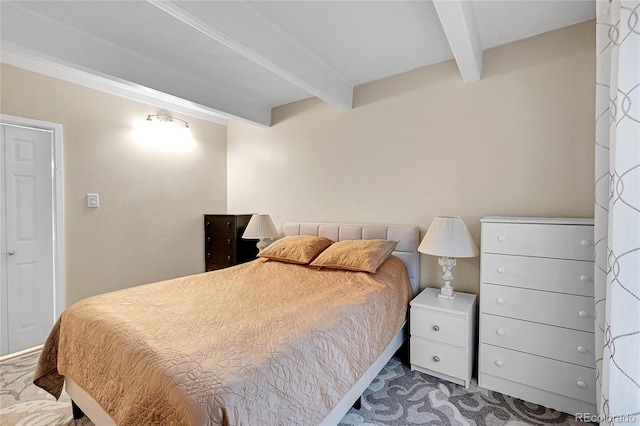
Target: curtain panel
(617,211)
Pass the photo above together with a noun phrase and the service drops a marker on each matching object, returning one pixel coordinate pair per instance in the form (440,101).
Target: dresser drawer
(222,257)
(564,310)
(542,240)
(558,275)
(214,267)
(223,242)
(441,358)
(576,347)
(220,224)
(542,373)
(441,327)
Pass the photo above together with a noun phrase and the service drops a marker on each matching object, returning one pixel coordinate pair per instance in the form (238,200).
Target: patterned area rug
(398,397)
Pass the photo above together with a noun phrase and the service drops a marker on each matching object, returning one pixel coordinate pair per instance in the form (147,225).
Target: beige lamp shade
(260,226)
(448,237)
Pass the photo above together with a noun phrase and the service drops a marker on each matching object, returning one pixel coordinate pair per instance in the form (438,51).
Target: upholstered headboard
(408,238)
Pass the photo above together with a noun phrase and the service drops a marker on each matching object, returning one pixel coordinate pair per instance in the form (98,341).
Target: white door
(27,275)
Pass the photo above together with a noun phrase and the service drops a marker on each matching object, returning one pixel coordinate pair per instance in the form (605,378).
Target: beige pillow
(356,255)
(299,249)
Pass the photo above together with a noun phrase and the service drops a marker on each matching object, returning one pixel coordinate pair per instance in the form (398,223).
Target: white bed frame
(407,249)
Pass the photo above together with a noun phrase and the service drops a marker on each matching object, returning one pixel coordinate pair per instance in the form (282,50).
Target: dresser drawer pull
(208,223)
(581,384)
(228,224)
(229,258)
(208,239)
(436,328)
(581,349)
(585,278)
(500,332)
(501,270)
(583,314)
(208,254)
(500,301)
(228,240)
(502,238)
(436,359)
(499,363)
(585,243)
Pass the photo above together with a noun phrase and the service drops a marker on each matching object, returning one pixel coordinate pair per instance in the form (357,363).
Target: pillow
(356,255)
(298,249)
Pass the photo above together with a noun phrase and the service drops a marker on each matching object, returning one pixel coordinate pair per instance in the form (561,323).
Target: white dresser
(443,335)
(537,311)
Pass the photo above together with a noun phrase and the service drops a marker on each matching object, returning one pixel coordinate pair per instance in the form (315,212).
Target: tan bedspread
(260,343)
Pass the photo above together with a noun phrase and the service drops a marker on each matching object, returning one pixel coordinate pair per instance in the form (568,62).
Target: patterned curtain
(617,210)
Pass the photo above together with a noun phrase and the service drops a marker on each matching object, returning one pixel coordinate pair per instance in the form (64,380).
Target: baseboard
(19,353)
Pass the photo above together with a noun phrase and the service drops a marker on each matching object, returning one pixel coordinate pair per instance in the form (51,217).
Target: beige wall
(519,142)
(149,223)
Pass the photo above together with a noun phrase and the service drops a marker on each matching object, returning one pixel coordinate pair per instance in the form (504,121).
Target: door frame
(59,303)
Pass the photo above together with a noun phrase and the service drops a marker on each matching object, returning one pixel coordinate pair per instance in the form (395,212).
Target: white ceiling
(237,59)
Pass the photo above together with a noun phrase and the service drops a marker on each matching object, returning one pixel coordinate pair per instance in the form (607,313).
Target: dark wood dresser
(223,242)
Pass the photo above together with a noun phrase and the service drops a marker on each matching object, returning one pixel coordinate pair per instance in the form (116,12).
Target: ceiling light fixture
(166,118)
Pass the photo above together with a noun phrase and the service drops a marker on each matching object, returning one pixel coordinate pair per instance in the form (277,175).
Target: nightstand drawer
(562,242)
(564,310)
(557,275)
(576,347)
(543,373)
(441,358)
(440,327)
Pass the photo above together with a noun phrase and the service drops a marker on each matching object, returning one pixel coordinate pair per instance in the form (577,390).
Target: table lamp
(448,238)
(260,226)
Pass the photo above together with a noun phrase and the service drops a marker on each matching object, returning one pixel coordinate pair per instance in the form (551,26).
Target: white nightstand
(443,335)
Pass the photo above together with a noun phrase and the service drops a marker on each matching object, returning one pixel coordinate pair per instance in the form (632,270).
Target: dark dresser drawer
(220,224)
(223,242)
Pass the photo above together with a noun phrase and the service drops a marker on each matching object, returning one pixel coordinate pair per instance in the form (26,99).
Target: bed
(283,376)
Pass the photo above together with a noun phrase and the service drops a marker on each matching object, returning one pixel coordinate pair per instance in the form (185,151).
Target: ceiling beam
(460,27)
(238,26)
(33,42)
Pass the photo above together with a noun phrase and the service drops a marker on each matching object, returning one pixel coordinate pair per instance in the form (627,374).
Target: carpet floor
(397,397)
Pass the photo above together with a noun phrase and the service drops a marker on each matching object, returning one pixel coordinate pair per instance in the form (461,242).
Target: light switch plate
(93,200)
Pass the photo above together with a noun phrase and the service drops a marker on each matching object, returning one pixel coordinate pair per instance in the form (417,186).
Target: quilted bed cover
(260,343)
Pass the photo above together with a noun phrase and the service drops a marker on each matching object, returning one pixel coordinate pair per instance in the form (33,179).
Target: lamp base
(446,296)
(262,244)
(446,291)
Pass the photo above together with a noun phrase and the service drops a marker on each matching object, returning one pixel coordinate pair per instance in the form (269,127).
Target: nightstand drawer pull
(500,332)
(229,241)
(208,239)
(499,363)
(585,278)
(436,359)
(500,301)
(581,384)
(583,314)
(436,328)
(501,270)
(581,349)
(228,224)
(585,243)
(229,258)
(208,254)
(502,238)
(208,223)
